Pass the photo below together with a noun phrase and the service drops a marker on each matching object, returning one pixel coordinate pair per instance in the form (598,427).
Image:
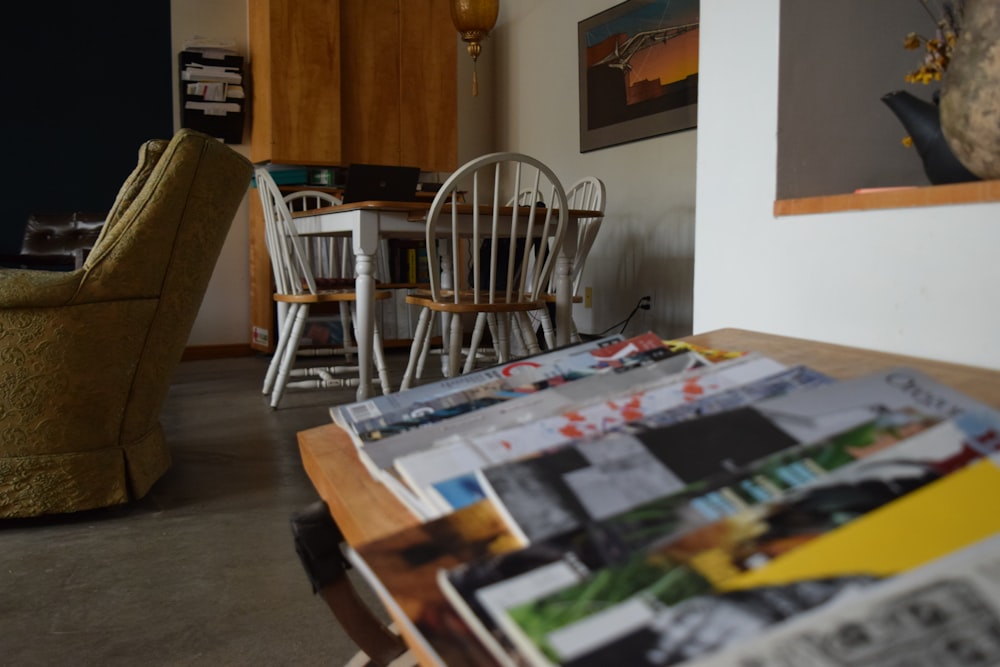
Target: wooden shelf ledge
(931,195)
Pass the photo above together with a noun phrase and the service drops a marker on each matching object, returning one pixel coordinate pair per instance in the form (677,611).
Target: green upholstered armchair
(86,356)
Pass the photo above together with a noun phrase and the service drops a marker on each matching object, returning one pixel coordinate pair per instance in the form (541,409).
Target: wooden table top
(419,209)
(365,510)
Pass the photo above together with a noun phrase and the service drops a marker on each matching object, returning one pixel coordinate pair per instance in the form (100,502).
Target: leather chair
(86,356)
(57,242)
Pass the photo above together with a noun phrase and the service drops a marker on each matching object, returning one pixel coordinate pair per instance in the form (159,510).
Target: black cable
(643,304)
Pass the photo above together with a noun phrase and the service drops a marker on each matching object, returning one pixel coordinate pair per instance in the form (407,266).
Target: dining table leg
(444,252)
(564,283)
(365,239)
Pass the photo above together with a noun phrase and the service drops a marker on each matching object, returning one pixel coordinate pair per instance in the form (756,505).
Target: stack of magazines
(647,502)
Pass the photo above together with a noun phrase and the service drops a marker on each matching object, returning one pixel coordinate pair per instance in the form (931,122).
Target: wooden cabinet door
(370,82)
(428,101)
(295,63)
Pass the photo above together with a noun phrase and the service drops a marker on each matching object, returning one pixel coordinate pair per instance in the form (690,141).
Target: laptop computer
(376,182)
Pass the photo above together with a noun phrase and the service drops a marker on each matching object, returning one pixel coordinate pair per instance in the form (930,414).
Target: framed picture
(638,71)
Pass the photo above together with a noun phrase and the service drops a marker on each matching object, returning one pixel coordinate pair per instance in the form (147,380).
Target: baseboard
(205,352)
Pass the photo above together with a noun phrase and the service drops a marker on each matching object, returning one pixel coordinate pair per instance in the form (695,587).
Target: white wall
(224,318)
(646,243)
(916,281)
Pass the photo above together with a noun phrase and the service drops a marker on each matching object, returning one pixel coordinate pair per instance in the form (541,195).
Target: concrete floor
(202,571)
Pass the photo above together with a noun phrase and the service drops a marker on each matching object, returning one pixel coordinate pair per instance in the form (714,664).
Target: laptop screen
(375,182)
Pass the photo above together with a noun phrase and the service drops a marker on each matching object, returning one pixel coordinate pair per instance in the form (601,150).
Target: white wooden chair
(297,288)
(525,197)
(587,194)
(500,239)
(332,263)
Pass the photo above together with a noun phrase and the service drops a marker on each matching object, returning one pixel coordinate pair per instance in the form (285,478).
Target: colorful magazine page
(653,386)
(347,416)
(530,379)
(548,400)
(859,478)
(806,547)
(711,354)
(450,493)
(405,565)
(945,613)
(565,488)
(602,415)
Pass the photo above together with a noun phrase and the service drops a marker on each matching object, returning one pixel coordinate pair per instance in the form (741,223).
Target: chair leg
(491,320)
(455,346)
(301,312)
(377,350)
(346,322)
(421,334)
(445,344)
(422,361)
(380,366)
(477,336)
(525,333)
(279,349)
(503,339)
(547,328)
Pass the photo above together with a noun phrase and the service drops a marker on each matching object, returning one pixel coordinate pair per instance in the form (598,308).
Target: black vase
(922,120)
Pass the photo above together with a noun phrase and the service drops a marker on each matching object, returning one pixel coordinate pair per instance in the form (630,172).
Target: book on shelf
(658,571)
(407,259)
(446,476)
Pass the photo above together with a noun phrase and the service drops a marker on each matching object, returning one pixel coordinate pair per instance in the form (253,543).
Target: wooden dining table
(368,222)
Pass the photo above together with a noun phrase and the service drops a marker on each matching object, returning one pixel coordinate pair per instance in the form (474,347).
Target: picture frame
(638,71)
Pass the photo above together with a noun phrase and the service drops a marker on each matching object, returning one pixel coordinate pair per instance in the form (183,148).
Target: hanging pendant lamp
(474,19)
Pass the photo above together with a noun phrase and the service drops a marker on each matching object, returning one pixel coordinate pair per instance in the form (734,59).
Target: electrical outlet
(588,297)
(646,302)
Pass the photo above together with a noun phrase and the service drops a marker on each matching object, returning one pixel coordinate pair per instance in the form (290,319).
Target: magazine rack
(212,96)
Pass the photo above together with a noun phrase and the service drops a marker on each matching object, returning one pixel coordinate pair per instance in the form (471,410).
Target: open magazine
(644,549)
(446,475)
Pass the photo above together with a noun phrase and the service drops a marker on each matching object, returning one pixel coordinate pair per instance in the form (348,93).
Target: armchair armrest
(24,288)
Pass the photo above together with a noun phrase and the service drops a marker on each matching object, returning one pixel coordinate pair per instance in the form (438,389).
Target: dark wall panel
(85,84)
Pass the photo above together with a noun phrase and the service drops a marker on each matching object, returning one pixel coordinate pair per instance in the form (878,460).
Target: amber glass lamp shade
(474,19)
